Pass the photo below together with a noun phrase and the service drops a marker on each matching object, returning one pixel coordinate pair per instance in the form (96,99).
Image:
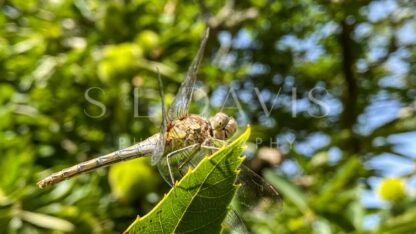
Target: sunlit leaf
(198,202)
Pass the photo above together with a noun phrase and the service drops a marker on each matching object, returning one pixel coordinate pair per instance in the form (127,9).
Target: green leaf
(341,181)
(46,221)
(198,203)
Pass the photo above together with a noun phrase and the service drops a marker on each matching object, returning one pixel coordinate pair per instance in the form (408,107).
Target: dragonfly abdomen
(140,149)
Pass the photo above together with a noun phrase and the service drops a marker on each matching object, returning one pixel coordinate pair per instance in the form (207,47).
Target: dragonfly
(182,139)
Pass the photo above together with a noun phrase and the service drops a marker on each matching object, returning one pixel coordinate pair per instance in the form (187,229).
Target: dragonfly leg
(188,159)
(206,144)
(209,147)
(218,142)
(175,153)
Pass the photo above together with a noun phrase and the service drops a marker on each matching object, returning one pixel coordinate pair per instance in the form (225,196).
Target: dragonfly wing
(255,190)
(180,163)
(159,150)
(234,224)
(161,141)
(179,107)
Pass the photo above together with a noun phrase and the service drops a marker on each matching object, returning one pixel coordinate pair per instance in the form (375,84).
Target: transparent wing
(255,193)
(161,142)
(179,107)
(234,224)
(180,163)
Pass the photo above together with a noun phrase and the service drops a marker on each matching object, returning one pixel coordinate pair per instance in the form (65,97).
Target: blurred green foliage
(57,56)
(133,180)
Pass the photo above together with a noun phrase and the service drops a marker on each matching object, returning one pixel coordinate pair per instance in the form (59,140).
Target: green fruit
(392,189)
(147,39)
(133,180)
(118,59)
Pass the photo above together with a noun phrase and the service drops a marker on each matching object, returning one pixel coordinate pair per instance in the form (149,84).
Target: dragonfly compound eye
(223,126)
(230,128)
(219,121)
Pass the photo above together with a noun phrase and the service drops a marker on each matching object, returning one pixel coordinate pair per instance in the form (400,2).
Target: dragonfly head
(223,126)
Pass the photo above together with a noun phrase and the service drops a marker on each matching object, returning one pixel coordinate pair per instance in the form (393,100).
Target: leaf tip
(248,129)
(238,172)
(237,185)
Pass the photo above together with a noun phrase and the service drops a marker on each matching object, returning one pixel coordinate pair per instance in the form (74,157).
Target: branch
(350,93)
(227,16)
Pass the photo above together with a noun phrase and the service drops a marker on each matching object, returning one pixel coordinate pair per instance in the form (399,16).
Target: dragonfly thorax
(195,129)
